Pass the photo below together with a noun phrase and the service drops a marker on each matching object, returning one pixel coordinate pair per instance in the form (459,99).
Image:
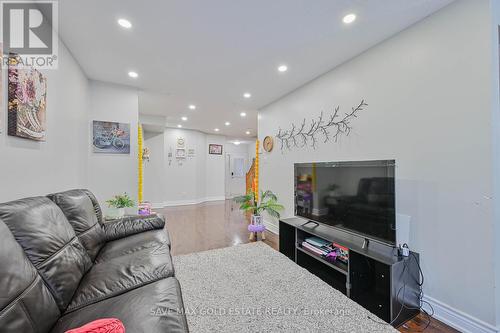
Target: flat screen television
(357,197)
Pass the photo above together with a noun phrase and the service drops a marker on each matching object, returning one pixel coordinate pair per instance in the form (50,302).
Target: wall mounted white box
(403,229)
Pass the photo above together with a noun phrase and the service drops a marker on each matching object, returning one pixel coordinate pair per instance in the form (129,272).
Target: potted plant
(118,204)
(268,203)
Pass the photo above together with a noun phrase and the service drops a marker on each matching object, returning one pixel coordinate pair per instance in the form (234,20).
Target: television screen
(355,196)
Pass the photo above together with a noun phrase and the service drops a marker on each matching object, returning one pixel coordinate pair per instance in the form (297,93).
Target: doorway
(236,169)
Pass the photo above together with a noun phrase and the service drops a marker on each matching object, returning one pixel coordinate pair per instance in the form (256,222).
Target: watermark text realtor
(29,31)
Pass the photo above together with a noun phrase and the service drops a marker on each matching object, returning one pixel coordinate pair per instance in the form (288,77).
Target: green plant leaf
(268,195)
(121,201)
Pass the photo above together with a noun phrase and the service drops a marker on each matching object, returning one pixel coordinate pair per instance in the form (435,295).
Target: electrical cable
(421,301)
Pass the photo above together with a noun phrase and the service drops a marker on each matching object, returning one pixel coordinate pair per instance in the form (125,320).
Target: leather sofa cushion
(81,213)
(121,274)
(144,241)
(50,243)
(26,305)
(131,225)
(155,307)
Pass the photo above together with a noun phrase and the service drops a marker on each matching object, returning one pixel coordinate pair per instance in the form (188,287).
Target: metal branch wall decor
(328,128)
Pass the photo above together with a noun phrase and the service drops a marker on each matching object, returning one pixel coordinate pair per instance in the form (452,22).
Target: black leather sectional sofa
(61,267)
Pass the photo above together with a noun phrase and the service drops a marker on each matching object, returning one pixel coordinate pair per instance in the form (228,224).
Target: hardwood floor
(220,224)
(207,226)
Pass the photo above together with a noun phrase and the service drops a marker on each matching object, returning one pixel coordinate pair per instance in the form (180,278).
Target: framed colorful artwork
(111,137)
(214,149)
(27,101)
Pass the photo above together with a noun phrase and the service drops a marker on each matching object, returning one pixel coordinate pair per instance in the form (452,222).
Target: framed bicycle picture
(110,137)
(214,149)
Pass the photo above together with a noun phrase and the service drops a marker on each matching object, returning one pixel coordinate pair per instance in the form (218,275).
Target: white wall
(110,174)
(185,179)
(65,160)
(215,169)
(168,181)
(495,124)
(29,168)
(154,170)
(429,95)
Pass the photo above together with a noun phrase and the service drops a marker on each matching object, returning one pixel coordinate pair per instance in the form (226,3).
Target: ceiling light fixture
(216,129)
(227,123)
(349,18)
(192,107)
(179,126)
(243,114)
(282,68)
(133,75)
(125,23)
(236,142)
(247,95)
(184,118)
(247,132)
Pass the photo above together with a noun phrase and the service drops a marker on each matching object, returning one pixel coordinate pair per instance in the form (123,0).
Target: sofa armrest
(131,225)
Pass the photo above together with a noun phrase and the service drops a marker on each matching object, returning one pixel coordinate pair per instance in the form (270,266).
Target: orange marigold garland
(256,187)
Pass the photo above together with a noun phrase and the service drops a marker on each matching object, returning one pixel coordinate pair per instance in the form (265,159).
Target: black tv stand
(372,276)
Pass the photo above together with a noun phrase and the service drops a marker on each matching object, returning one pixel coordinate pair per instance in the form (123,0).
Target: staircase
(250,176)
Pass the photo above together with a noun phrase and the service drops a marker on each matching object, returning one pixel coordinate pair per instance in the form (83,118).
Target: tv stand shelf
(372,277)
(336,266)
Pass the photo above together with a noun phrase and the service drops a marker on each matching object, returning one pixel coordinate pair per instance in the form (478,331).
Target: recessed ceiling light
(184,118)
(133,74)
(216,129)
(125,23)
(247,95)
(349,18)
(247,132)
(227,123)
(192,107)
(180,126)
(243,114)
(236,142)
(282,68)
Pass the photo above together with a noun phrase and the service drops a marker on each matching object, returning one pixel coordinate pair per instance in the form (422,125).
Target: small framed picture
(180,153)
(214,149)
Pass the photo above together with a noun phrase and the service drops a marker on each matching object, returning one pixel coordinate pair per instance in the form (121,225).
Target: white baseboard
(174,203)
(157,205)
(458,319)
(218,198)
(272,226)
(233,196)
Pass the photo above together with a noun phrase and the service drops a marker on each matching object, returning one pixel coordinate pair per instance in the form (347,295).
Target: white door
(236,170)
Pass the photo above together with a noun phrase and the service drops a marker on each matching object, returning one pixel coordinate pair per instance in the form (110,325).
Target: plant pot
(257,219)
(115,213)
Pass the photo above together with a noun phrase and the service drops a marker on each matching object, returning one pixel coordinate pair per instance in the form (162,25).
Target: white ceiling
(209,52)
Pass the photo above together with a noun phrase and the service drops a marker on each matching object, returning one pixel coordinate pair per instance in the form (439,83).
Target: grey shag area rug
(253,288)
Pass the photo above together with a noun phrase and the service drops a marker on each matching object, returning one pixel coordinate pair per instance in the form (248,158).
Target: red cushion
(106,325)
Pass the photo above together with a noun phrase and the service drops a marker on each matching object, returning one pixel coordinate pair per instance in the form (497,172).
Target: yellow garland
(314,177)
(256,189)
(140,169)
